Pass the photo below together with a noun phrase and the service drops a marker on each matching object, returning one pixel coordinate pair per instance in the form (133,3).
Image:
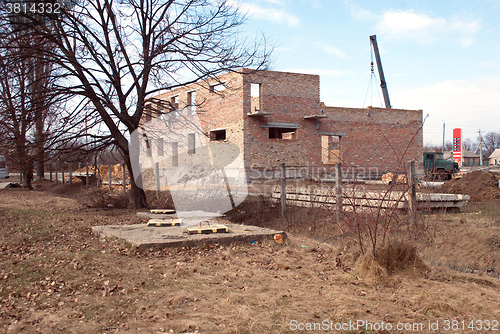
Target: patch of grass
(58,276)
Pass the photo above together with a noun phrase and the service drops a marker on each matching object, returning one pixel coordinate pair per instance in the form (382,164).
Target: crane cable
(373,77)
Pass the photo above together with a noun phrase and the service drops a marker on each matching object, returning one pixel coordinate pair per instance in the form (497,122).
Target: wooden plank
(164,222)
(212,228)
(164,211)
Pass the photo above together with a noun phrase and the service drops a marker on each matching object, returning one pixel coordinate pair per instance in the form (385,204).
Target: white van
(4,169)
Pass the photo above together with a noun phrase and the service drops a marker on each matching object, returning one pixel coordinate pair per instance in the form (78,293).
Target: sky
(439,56)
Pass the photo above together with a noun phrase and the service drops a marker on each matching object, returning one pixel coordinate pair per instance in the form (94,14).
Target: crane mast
(383,84)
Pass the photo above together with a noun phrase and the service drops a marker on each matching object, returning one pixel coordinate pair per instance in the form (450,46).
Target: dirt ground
(56,276)
(481,186)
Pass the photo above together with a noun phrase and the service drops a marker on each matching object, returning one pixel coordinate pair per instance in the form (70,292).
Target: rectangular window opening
(159,110)
(159,145)
(255,97)
(175,154)
(191,143)
(217,135)
(217,88)
(282,133)
(174,102)
(191,102)
(330,149)
(148,148)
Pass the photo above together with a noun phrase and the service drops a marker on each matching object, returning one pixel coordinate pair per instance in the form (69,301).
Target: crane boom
(383,84)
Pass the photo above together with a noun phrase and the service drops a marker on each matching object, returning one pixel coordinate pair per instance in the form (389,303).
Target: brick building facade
(276,117)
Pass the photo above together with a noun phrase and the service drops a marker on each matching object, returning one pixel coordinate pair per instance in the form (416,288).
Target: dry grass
(57,277)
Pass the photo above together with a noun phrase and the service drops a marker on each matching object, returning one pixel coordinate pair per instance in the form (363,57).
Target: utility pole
(480,149)
(442,150)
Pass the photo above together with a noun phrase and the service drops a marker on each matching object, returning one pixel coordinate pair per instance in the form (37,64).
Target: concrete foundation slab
(142,236)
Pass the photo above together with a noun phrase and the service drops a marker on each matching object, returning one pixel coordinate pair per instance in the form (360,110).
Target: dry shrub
(401,257)
(398,258)
(160,200)
(369,268)
(100,198)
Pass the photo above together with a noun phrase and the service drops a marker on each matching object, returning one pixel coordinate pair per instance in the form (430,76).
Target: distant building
(495,157)
(469,158)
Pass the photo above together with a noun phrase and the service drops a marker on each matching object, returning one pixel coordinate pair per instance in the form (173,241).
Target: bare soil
(481,186)
(56,276)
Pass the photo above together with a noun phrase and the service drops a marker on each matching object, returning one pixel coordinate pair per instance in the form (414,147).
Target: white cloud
(277,15)
(488,64)
(470,105)
(426,29)
(330,49)
(361,14)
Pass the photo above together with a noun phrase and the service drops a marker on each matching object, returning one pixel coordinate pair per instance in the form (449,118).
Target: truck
(437,168)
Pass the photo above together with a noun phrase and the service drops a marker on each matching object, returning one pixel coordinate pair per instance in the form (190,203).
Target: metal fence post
(283,189)
(157,175)
(87,174)
(62,173)
(98,171)
(70,173)
(412,191)
(338,190)
(109,177)
(124,179)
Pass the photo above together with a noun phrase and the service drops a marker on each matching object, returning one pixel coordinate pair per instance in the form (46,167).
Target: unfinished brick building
(277,117)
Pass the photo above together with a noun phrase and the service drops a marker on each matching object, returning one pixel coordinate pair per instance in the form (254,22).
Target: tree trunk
(41,76)
(27,177)
(25,164)
(137,196)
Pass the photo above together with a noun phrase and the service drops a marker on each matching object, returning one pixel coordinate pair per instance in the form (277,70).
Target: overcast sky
(440,56)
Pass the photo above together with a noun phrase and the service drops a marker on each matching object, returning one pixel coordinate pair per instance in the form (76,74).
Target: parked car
(4,169)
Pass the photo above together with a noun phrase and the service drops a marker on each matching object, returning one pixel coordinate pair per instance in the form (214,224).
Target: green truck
(436,168)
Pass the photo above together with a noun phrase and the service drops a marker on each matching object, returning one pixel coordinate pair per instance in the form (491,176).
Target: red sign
(457,145)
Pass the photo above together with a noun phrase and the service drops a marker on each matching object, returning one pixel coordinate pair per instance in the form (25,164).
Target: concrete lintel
(332,134)
(281,125)
(315,117)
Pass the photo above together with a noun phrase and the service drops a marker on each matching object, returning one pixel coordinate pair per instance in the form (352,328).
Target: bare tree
(469,144)
(491,141)
(18,20)
(17,103)
(116,54)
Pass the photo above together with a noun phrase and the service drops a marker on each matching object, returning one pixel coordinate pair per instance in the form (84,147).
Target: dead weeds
(57,276)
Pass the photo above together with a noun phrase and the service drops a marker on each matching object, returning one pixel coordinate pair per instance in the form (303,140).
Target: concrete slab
(142,236)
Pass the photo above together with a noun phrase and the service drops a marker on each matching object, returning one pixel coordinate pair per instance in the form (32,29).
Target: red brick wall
(288,97)
(372,137)
(377,137)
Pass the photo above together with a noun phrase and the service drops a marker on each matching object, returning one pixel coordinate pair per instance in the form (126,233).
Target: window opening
(159,144)
(330,149)
(175,154)
(255,98)
(217,135)
(282,133)
(191,143)
(174,101)
(191,102)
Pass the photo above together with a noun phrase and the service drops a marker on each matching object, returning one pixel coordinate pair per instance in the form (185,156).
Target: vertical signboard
(457,146)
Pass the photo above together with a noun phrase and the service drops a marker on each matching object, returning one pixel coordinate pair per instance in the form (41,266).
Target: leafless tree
(116,54)
(36,121)
(491,141)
